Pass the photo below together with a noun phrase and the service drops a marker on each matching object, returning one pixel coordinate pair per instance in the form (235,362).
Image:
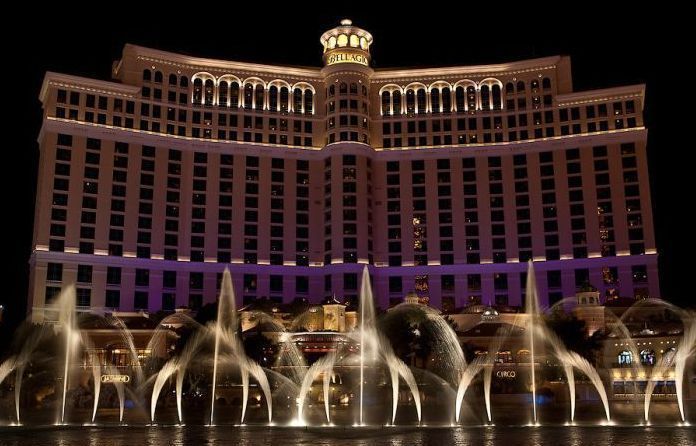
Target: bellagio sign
(115,378)
(346,57)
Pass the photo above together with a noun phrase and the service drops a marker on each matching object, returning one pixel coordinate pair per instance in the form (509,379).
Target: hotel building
(444,181)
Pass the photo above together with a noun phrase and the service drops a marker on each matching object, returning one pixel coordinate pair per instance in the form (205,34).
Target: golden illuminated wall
(335,318)
(351,320)
(314,320)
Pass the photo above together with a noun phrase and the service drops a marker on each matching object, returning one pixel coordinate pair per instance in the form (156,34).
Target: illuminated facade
(444,180)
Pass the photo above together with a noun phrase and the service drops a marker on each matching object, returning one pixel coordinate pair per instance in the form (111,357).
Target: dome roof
(411,298)
(474,309)
(487,310)
(490,312)
(346,36)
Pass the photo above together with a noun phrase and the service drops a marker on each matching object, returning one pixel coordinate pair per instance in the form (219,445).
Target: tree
(259,348)
(207,313)
(399,331)
(572,332)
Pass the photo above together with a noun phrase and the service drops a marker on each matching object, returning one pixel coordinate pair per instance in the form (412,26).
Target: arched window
(297,100)
(386,103)
(284,99)
(222,94)
(183,81)
(503,356)
(509,88)
(158,77)
(459,99)
(625,358)
(485,97)
(147,75)
(234,95)
(209,91)
(524,355)
(421,100)
(308,102)
(332,90)
(172,79)
(248,96)
(353,88)
(343,88)
(471,98)
(446,100)
(198,91)
(497,99)
(273,98)
(647,357)
(259,95)
(520,87)
(668,356)
(396,102)
(546,83)
(435,100)
(410,102)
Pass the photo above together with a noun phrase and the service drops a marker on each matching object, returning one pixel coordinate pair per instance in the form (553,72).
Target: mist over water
(380,388)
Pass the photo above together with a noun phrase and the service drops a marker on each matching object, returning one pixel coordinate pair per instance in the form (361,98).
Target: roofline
(473,70)
(185,61)
(203,63)
(85,83)
(602,94)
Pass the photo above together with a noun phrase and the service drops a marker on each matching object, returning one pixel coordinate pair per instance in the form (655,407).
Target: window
(84,273)
(625,358)
(169,279)
(639,273)
(647,357)
(350,281)
(301,284)
(249,282)
(113,275)
(168,301)
(54,271)
(112,299)
(140,299)
(84,297)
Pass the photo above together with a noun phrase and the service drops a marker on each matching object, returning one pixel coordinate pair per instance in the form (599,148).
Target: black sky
(607,47)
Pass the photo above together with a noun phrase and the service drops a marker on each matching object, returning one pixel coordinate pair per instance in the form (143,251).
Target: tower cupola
(346,44)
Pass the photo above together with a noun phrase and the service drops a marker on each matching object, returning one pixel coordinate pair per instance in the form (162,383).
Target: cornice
(220,66)
(504,69)
(601,95)
(185,142)
(135,262)
(86,84)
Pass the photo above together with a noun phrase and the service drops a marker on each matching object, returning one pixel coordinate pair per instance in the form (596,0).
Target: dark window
(140,299)
(84,273)
(54,271)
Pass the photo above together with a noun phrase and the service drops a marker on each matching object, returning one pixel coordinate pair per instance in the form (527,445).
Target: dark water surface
(338,436)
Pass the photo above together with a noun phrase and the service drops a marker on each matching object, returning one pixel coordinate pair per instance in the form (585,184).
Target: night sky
(607,47)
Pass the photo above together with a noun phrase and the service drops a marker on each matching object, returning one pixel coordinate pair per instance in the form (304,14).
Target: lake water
(338,436)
